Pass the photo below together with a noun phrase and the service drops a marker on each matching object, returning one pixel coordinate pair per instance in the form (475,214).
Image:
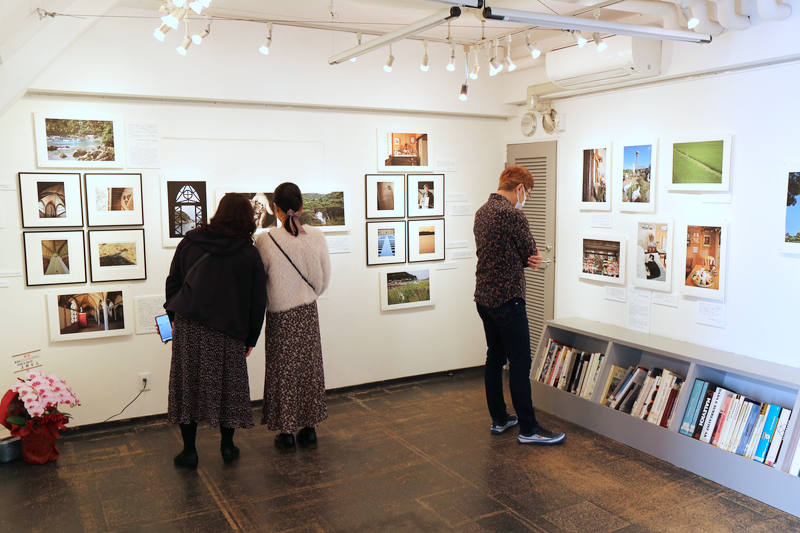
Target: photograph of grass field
(401,288)
(697,162)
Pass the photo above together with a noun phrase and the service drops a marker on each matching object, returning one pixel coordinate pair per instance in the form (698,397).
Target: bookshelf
(761,380)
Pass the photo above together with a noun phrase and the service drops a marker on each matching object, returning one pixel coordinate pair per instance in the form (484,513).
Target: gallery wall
(762,284)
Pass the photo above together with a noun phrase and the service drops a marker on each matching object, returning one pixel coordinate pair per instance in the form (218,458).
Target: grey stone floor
(410,457)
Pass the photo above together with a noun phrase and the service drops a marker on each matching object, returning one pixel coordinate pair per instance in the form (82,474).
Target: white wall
(759,108)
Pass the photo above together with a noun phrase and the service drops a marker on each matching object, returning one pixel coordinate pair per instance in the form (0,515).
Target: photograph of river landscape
(79,140)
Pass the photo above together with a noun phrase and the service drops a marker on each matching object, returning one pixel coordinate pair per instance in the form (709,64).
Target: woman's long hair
(234,217)
(288,197)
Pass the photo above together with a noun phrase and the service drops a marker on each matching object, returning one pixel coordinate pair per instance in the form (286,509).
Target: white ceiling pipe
(700,10)
(772,10)
(667,11)
(729,18)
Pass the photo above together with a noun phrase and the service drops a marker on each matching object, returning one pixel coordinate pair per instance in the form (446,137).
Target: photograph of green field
(407,287)
(697,162)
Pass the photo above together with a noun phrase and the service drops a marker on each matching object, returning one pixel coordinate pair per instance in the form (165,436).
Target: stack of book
(649,394)
(735,423)
(569,369)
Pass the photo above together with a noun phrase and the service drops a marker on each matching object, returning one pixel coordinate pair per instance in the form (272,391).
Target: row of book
(569,369)
(650,394)
(734,422)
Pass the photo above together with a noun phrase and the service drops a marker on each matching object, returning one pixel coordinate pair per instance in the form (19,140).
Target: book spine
(647,386)
(759,428)
(679,388)
(595,376)
(704,413)
(667,380)
(794,468)
(736,432)
(648,408)
(691,408)
(558,359)
(543,360)
(699,408)
(621,385)
(711,419)
(565,368)
(589,373)
(766,435)
(777,437)
(728,407)
(670,403)
(748,429)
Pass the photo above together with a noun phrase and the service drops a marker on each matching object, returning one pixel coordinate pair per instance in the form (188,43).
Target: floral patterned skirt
(294,384)
(208,377)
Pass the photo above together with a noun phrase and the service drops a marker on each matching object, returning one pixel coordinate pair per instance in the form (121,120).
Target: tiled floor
(403,458)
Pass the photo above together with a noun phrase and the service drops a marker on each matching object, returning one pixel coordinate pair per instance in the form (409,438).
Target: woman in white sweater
(298,268)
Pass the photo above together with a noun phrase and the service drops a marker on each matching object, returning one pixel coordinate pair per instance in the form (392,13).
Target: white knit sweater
(309,252)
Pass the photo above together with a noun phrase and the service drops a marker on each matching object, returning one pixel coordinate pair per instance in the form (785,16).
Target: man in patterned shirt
(505,246)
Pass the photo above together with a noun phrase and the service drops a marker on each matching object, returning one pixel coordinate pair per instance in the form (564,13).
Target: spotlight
(691,22)
(496,65)
(268,41)
(159,33)
(196,6)
(475,67)
(507,61)
(424,66)
(178,3)
(358,36)
(182,49)
(198,38)
(463,95)
(578,39)
(388,66)
(173,18)
(451,66)
(205,3)
(535,52)
(601,45)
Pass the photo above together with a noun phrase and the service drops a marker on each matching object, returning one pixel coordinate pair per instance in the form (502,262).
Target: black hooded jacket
(226,292)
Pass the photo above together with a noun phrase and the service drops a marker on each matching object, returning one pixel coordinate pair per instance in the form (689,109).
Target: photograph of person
(425,194)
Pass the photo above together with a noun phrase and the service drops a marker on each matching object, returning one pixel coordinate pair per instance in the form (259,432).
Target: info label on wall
(455,197)
(27,361)
(664,298)
(444,165)
(10,273)
(616,294)
(639,310)
(461,210)
(601,220)
(456,244)
(7,187)
(461,254)
(147,309)
(711,314)
(338,244)
(144,145)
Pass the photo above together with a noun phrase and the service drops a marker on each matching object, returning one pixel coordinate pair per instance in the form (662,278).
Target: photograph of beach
(427,240)
(79,140)
(117,254)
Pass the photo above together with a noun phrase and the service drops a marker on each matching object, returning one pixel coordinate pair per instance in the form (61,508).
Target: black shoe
(188,460)
(229,454)
(285,441)
(307,438)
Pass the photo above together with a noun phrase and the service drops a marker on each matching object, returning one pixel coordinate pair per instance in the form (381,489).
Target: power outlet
(140,383)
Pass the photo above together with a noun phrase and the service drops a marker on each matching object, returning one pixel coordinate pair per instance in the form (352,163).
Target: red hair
(513,176)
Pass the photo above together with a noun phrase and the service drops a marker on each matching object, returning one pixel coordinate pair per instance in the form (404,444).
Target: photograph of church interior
(678,400)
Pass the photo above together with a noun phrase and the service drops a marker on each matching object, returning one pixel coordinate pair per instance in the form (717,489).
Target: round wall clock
(528,124)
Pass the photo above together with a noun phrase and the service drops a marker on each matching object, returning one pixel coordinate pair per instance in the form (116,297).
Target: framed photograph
(117,255)
(386,242)
(596,185)
(326,210)
(698,163)
(603,258)
(49,200)
(635,171)
(706,252)
(790,243)
(404,152)
(89,315)
(263,210)
(653,253)
(403,288)
(426,240)
(114,199)
(425,195)
(79,141)
(184,205)
(54,257)
(386,195)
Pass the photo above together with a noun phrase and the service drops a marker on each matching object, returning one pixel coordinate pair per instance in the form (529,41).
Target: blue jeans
(508,339)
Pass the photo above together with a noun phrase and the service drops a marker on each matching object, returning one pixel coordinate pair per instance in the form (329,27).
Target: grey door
(540,208)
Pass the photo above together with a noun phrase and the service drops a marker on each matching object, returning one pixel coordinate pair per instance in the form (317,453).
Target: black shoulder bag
(292,262)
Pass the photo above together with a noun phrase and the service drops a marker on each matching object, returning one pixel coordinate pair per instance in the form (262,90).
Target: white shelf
(761,380)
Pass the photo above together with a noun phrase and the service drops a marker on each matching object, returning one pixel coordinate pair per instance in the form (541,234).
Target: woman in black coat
(216,297)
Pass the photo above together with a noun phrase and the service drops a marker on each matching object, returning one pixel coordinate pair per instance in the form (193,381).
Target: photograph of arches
(184,205)
(54,257)
(596,185)
(404,151)
(50,200)
(385,195)
(81,315)
(114,199)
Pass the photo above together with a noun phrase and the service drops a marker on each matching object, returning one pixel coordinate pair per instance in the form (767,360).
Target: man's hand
(535,260)
(249,349)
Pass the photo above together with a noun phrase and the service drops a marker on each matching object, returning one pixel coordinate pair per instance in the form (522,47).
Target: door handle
(548,248)
(547,262)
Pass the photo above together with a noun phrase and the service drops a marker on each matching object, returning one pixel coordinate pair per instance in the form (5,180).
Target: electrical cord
(123,409)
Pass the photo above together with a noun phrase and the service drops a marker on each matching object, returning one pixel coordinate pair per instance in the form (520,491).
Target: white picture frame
(386,242)
(50,200)
(73,141)
(653,260)
(54,257)
(406,287)
(404,152)
(603,258)
(791,215)
(426,238)
(707,250)
(193,194)
(385,196)
(635,175)
(421,204)
(698,161)
(78,314)
(113,199)
(596,183)
(327,210)
(111,253)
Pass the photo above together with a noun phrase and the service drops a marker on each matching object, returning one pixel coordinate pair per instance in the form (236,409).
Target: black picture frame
(59,193)
(122,217)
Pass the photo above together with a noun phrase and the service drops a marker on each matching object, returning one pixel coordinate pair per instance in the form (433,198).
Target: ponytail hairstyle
(289,198)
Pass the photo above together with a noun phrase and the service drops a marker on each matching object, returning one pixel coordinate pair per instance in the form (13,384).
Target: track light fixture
(496,66)
(691,21)
(463,95)
(268,41)
(196,6)
(578,39)
(161,32)
(197,38)
(358,38)
(601,45)
(173,18)
(451,66)
(178,3)
(535,52)
(507,61)
(388,66)
(475,66)
(184,47)
(424,66)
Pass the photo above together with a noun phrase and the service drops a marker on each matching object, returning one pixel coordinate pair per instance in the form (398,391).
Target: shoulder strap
(196,263)
(292,262)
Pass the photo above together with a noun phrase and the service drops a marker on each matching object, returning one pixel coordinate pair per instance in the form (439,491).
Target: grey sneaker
(542,436)
(511,421)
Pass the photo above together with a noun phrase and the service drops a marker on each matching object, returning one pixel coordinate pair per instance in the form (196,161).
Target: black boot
(229,452)
(307,438)
(188,457)
(285,441)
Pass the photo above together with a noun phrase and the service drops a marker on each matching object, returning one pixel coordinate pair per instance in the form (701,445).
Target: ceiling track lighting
(388,66)
(159,33)
(358,38)
(184,47)
(598,41)
(475,66)
(178,3)
(463,95)
(451,65)
(268,41)
(198,37)
(578,39)
(496,65)
(424,66)
(691,22)
(196,6)
(570,23)
(535,52)
(173,19)
(508,61)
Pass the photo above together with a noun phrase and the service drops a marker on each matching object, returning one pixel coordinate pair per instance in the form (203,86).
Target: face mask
(519,204)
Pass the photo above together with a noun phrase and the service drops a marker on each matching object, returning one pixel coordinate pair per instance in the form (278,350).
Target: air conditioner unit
(625,59)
